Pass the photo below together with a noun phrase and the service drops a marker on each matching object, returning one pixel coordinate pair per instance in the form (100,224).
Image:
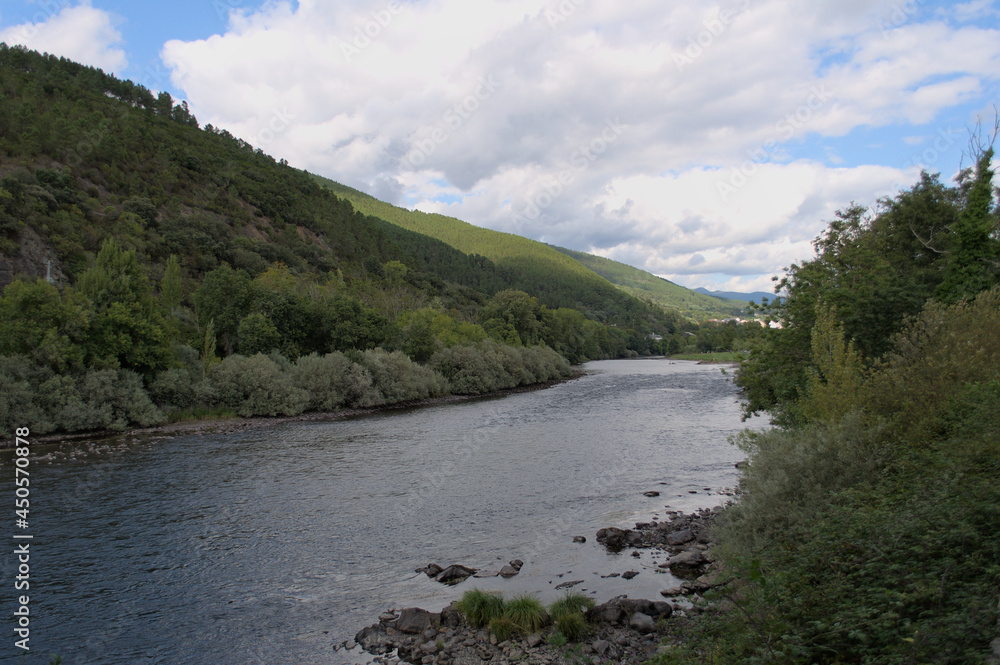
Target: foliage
(573,626)
(526,613)
(333,381)
(256,386)
(571,603)
(480,607)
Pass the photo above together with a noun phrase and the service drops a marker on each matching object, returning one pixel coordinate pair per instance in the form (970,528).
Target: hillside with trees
(153,269)
(867,525)
(665,293)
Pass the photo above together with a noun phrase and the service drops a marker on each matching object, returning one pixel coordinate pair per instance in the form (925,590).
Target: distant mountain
(755,296)
(665,293)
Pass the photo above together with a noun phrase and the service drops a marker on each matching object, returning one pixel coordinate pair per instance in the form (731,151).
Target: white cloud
(81,33)
(498,112)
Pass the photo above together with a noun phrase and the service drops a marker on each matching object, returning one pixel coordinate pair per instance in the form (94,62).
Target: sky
(708,143)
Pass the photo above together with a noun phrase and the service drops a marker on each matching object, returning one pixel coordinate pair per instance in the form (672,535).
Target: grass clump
(568,614)
(573,626)
(503,628)
(571,603)
(481,607)
(527,613)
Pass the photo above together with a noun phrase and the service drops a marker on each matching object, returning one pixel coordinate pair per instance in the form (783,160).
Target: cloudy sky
(704,142)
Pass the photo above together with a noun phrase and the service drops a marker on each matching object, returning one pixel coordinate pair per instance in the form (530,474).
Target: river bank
(619,628)
(236,424)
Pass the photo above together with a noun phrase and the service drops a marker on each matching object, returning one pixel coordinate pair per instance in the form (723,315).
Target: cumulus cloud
(665,136)
(81,33)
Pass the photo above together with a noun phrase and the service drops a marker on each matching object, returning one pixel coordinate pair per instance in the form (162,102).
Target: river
(271,545)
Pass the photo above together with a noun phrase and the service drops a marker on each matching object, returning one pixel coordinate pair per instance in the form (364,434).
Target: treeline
(867,526)
(259,385)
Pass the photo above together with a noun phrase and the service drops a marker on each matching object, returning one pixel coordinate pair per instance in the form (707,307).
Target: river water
(270,546)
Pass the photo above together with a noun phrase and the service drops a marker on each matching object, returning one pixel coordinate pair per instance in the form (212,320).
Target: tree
(39,322)
(974,262)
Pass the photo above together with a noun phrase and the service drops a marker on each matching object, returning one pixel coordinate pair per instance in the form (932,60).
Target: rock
(612,537)
(429,647)
(686,562)
(567,585)
(454,574)
(672,591)
(509,571)
(533,640)
(414,621)
(609,612)
(579,539)
(373,638)
(430,569)
(680,537)
(601,647)
(486,573)
(651,493)
(517,563)
(629,574)
(635,553)
(350,644)
(741,464)
(642,623)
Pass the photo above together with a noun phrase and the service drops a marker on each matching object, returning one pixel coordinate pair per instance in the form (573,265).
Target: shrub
(399,379)
(117,400)
(18,405)
(256,386)
(332,381)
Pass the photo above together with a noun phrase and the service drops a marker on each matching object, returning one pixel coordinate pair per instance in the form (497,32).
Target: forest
(867,522)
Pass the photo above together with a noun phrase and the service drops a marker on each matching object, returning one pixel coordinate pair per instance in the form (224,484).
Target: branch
(925,243)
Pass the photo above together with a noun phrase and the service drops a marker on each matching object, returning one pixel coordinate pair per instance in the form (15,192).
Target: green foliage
(396,378)
(256,386)
(257,334)
(333,381)
(526,613)
(51,328)
(874,538)
(480,607)
(571,603)
(503,628)
(834,380)
(488,367)
(573,626)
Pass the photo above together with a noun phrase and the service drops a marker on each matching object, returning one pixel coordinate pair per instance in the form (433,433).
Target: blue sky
(705,142)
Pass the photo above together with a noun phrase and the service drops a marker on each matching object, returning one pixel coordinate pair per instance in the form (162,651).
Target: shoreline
(629,630)
(238,423)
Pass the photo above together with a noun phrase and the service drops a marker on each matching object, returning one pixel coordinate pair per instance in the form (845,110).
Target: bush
(503,628)
(573,627)
(18,406)
(332,381)
(399,379)
(117,400)
(256,386)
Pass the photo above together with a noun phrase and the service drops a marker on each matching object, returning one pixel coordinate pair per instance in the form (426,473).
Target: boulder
(509,571)
(373,639)
(613,538)
(642,623)
(430,569)
(454,574)
(579,539)
(686,563)
(414,621)
(629,574)
(680,537)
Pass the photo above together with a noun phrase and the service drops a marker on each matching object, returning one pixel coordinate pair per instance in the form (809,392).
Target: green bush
(19,378)
(399,379)
(333,381)
(256,386)
(573,626)
(118,399)
(503,628)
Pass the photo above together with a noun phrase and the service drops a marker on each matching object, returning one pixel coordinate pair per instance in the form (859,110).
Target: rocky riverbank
(619,629)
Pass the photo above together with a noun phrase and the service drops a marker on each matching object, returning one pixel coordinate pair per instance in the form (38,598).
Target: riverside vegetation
(154,269)
(867,525)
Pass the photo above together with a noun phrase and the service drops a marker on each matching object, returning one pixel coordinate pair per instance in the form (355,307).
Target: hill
(755,296)
(665,293)
(552,272)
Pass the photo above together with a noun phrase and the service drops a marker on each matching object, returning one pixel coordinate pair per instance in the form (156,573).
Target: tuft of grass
(573,626)
(571,603)
(481,607)
(503,627)
(526,612)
